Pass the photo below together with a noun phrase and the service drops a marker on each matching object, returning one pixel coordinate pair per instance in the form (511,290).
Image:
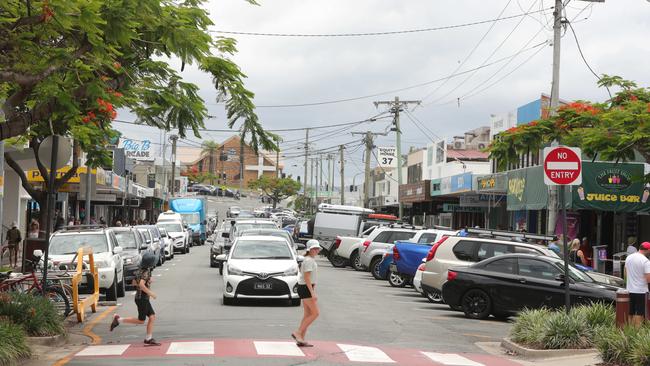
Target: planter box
(544,353)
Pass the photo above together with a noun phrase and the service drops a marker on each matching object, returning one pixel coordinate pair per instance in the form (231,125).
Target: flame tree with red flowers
(616,130)
(67,67)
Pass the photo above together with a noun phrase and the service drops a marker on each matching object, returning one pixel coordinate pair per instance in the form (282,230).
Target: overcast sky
(613,36)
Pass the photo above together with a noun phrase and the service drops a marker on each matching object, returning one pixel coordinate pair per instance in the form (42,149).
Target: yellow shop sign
(35,175)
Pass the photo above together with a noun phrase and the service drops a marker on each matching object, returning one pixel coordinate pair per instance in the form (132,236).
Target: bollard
(622,307)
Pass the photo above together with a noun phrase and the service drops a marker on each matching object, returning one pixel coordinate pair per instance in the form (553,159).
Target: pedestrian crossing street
(326,351)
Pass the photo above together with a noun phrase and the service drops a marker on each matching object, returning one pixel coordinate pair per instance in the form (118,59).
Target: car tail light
(421,267)
(434,248)
(395,253)
(337,243)
(366,244)
(451,275)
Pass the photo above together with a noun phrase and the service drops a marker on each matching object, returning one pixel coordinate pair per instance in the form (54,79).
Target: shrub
(565,331)
(12,339)
(625,347)
(528,328)
(596,315)
(36,314)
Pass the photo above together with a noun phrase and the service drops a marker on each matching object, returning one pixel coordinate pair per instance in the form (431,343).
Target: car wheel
(338,262)
(434,296)
(111,292)
(476,304)
(221,269)
(212,264)
(187,250)
(228,301)
(355,261)
(295,302)
(396,280)
(121,289)
(374,268)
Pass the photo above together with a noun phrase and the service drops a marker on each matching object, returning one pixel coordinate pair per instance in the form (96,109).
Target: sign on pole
(387,156)
(562,166)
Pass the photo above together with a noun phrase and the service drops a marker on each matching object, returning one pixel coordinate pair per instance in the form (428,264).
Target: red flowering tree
(617,129)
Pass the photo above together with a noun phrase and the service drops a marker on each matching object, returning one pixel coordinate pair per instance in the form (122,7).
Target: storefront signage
(526,189)
(445,185)
(491,183)
(415,192)
(453,207)
(436,187)
(461,183)
(35,175)
(387,156)
(138,150)
(474,200)
(612,187)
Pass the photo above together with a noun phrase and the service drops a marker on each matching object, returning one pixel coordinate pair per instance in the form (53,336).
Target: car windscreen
(265,225)
(279,234)
(577,274)
(126,239)
(258,249)
(191,218)
(69,244)
(147,234)
(171,227)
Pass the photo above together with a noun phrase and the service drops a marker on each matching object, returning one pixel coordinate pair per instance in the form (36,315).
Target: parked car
(408,255)
(233,211)
(458,251)
(168,243)
(273,232)
(380,241)
(332,221)
(178,234)
(152,238)
(304,231)
(132,243)
(504,285)
(260,267)
(107,253)
(384,264)
(246,224)
(417,280)
(347,249)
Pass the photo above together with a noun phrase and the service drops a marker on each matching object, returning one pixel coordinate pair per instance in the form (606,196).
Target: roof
(261,238)
(467,154)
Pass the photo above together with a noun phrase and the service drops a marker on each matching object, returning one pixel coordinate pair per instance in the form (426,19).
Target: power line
(384,33)
(583,56)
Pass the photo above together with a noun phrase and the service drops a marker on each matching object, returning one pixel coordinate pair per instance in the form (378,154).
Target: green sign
(454,207)
(435,187)
(526,189)
(612,187)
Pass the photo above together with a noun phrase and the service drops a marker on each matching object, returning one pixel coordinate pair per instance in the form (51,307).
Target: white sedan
(260,267)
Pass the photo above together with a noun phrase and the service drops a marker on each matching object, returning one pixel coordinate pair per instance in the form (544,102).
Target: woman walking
(307,292)
(576,255)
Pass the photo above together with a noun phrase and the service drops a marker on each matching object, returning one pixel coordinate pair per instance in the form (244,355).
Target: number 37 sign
(387,156)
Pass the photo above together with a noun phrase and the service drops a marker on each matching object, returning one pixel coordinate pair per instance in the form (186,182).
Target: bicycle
(30,283)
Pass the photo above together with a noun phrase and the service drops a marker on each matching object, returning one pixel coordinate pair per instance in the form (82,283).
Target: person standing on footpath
(13,241)
(637,274)
(306,291)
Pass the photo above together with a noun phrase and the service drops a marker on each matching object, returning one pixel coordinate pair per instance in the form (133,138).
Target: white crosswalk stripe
(191,348)
(108,350)
(364,354)
(277,349)
(450,359)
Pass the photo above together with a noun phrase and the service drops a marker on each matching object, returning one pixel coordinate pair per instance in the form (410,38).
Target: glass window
(427,238)
(69,244)
(126,239)
(525,250)
(537,269)
(171,227)
(147,234)
(383,237)
(191,218)
(253,249)
(489,250)
(400,236)
(506,265)
(465,250)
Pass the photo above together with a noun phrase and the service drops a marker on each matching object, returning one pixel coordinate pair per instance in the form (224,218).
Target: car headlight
(128,260)
(293,271)
(232,270)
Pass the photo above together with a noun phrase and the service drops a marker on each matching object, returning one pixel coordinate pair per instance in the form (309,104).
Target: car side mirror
(301,246)
(144,247)
(559,277)
(225,235)
(300,259)
(221,258)
(38,253)
(117,250)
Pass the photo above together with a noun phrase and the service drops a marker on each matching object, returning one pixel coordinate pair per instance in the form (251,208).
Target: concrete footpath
(586,359)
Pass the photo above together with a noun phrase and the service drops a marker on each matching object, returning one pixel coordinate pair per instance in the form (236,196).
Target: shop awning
(526,189)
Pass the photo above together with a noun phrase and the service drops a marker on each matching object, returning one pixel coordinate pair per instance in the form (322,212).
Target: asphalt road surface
(362,321)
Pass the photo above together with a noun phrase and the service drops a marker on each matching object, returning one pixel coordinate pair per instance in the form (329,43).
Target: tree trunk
(241,164)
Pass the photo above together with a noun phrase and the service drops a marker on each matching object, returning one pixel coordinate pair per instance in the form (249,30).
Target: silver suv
(379,241)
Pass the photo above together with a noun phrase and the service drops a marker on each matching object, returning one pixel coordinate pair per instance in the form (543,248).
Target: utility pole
(277,163)
(311,183)
(366,184)
(332,161)
(318,183)
(342,175)
(88,193)
(174,138)
(555,101)
(304,188)
(395,107)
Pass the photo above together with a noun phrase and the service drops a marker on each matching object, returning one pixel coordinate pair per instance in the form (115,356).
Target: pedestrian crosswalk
(329,351)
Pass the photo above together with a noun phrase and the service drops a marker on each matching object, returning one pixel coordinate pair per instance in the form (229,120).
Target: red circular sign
(562,165)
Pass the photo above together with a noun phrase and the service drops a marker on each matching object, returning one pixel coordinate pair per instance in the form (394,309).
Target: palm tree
(210,147)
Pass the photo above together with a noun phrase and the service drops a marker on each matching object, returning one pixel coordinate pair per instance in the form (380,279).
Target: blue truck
(193,210)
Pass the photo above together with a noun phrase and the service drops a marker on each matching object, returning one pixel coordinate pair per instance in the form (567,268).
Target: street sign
(562,166)
(387,156)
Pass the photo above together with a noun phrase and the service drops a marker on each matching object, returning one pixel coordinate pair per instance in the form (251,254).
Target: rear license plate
(392,267)
(263,286)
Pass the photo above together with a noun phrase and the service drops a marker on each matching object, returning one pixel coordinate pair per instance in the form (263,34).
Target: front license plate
(392,267)
(263,286)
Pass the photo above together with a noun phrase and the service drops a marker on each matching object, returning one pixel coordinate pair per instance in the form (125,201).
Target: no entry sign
(562,166)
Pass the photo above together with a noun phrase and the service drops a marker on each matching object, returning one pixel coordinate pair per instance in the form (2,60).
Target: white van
(337,220)
(170,215)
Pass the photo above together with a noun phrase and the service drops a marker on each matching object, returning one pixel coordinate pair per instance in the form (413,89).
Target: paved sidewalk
(495,348)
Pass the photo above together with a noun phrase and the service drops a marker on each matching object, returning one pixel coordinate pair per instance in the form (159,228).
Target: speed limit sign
(387,156)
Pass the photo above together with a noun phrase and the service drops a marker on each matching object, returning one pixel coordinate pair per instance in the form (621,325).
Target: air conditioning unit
(459,145)
(482,146)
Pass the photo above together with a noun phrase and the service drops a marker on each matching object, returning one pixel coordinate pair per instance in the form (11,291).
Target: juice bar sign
(138,150)
(612,187)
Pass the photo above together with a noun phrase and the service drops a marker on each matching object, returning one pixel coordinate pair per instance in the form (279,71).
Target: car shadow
(257,303)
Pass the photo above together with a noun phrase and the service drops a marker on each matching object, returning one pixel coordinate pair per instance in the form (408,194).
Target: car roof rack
(405,226)
(82,227)
(510,234)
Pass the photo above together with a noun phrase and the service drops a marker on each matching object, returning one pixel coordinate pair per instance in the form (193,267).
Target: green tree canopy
(615,130)
(276,188)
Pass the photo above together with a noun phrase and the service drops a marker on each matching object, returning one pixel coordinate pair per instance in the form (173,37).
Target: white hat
(313,243)
(14,224)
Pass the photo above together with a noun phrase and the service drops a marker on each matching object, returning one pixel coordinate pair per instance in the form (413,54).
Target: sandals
(300,343)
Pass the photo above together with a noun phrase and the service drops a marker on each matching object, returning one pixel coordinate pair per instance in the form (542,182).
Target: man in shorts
(637,273)
(142,295)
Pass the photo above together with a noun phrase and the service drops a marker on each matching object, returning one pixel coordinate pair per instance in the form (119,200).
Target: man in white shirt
(637,273)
